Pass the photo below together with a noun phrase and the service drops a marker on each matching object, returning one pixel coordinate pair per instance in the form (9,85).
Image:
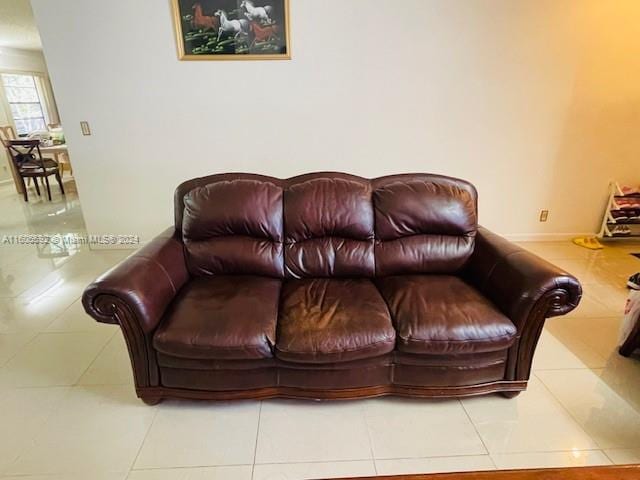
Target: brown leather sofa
(329,285)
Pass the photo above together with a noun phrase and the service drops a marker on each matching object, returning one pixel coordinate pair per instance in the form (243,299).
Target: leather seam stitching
(487,339)
(232,235)
(201,347)
(445,365)
(288,242)
(467,235)
(339,351)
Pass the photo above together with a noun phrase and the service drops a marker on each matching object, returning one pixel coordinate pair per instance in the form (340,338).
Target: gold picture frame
(251,22)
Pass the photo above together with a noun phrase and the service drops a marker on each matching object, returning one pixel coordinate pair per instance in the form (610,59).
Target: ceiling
(17,26)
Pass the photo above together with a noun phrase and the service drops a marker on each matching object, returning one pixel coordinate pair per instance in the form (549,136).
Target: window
(24,101)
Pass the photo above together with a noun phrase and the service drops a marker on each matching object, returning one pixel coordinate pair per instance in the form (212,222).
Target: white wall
(535,101)
(12,59)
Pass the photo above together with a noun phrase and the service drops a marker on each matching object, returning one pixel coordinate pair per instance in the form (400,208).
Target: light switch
(84,126)
(544,215)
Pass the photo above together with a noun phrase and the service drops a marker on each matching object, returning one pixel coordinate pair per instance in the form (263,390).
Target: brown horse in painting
(202,21)
(264,33)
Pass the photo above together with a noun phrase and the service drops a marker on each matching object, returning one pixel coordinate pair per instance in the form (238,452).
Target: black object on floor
(634,281)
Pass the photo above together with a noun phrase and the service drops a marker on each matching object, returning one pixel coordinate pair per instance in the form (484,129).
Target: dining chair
(28,161)
(7,133)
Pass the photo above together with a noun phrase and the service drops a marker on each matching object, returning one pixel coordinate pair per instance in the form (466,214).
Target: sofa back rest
(328,226)
(234,226)
(423,224)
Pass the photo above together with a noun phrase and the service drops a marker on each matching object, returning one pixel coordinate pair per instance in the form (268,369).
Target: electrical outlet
(86,129)
(544,215)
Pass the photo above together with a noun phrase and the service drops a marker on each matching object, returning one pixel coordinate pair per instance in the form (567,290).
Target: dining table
(60,154)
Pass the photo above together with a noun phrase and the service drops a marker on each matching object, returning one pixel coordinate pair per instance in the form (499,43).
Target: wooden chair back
(7,133)
(27,162)
(25,154)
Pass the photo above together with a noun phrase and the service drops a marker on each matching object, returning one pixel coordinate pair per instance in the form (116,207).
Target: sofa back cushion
(234,227)
(423,224)
(328,227)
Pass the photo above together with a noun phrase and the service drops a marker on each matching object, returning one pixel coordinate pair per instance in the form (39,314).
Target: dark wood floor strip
(631,472)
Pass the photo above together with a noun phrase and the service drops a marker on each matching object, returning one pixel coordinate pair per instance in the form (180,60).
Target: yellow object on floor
(591,243)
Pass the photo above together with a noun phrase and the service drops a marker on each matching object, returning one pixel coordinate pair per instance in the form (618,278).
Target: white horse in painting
(253,13)
(231,27)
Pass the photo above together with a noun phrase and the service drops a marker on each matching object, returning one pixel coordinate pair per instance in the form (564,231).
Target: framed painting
(232,29)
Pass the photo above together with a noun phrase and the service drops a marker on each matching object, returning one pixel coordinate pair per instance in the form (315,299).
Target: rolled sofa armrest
(519,282)
(143,284)
(526,288)
(135,294)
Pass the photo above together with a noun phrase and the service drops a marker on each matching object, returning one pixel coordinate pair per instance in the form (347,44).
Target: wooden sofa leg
(510,394)
(151,400)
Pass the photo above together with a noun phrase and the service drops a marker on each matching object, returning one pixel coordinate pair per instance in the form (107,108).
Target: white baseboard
(546,237)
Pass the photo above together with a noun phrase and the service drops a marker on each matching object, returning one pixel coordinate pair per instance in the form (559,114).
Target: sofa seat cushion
(441,314)
(325,320)
(221,318)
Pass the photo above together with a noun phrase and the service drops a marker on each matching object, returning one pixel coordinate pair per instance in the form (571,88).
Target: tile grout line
(560,369)
(418,458)
(493,462)
(67,332)
(475,428)
(104,347)
(544,452)
(41,428)
(51,322)
(311,462)
(594,371)
(369,436)
(65,310)
(608,457)
(255,446)
(32,339)
(67,385)
(185,467)
(582,345)
(564,408)
(144,439)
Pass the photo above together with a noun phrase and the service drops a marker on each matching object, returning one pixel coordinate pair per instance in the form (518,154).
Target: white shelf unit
(619,202)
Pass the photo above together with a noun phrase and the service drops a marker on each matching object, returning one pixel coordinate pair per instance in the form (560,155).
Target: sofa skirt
(393,369)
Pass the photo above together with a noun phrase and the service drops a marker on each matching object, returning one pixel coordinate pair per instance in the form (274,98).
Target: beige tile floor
(68,409)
